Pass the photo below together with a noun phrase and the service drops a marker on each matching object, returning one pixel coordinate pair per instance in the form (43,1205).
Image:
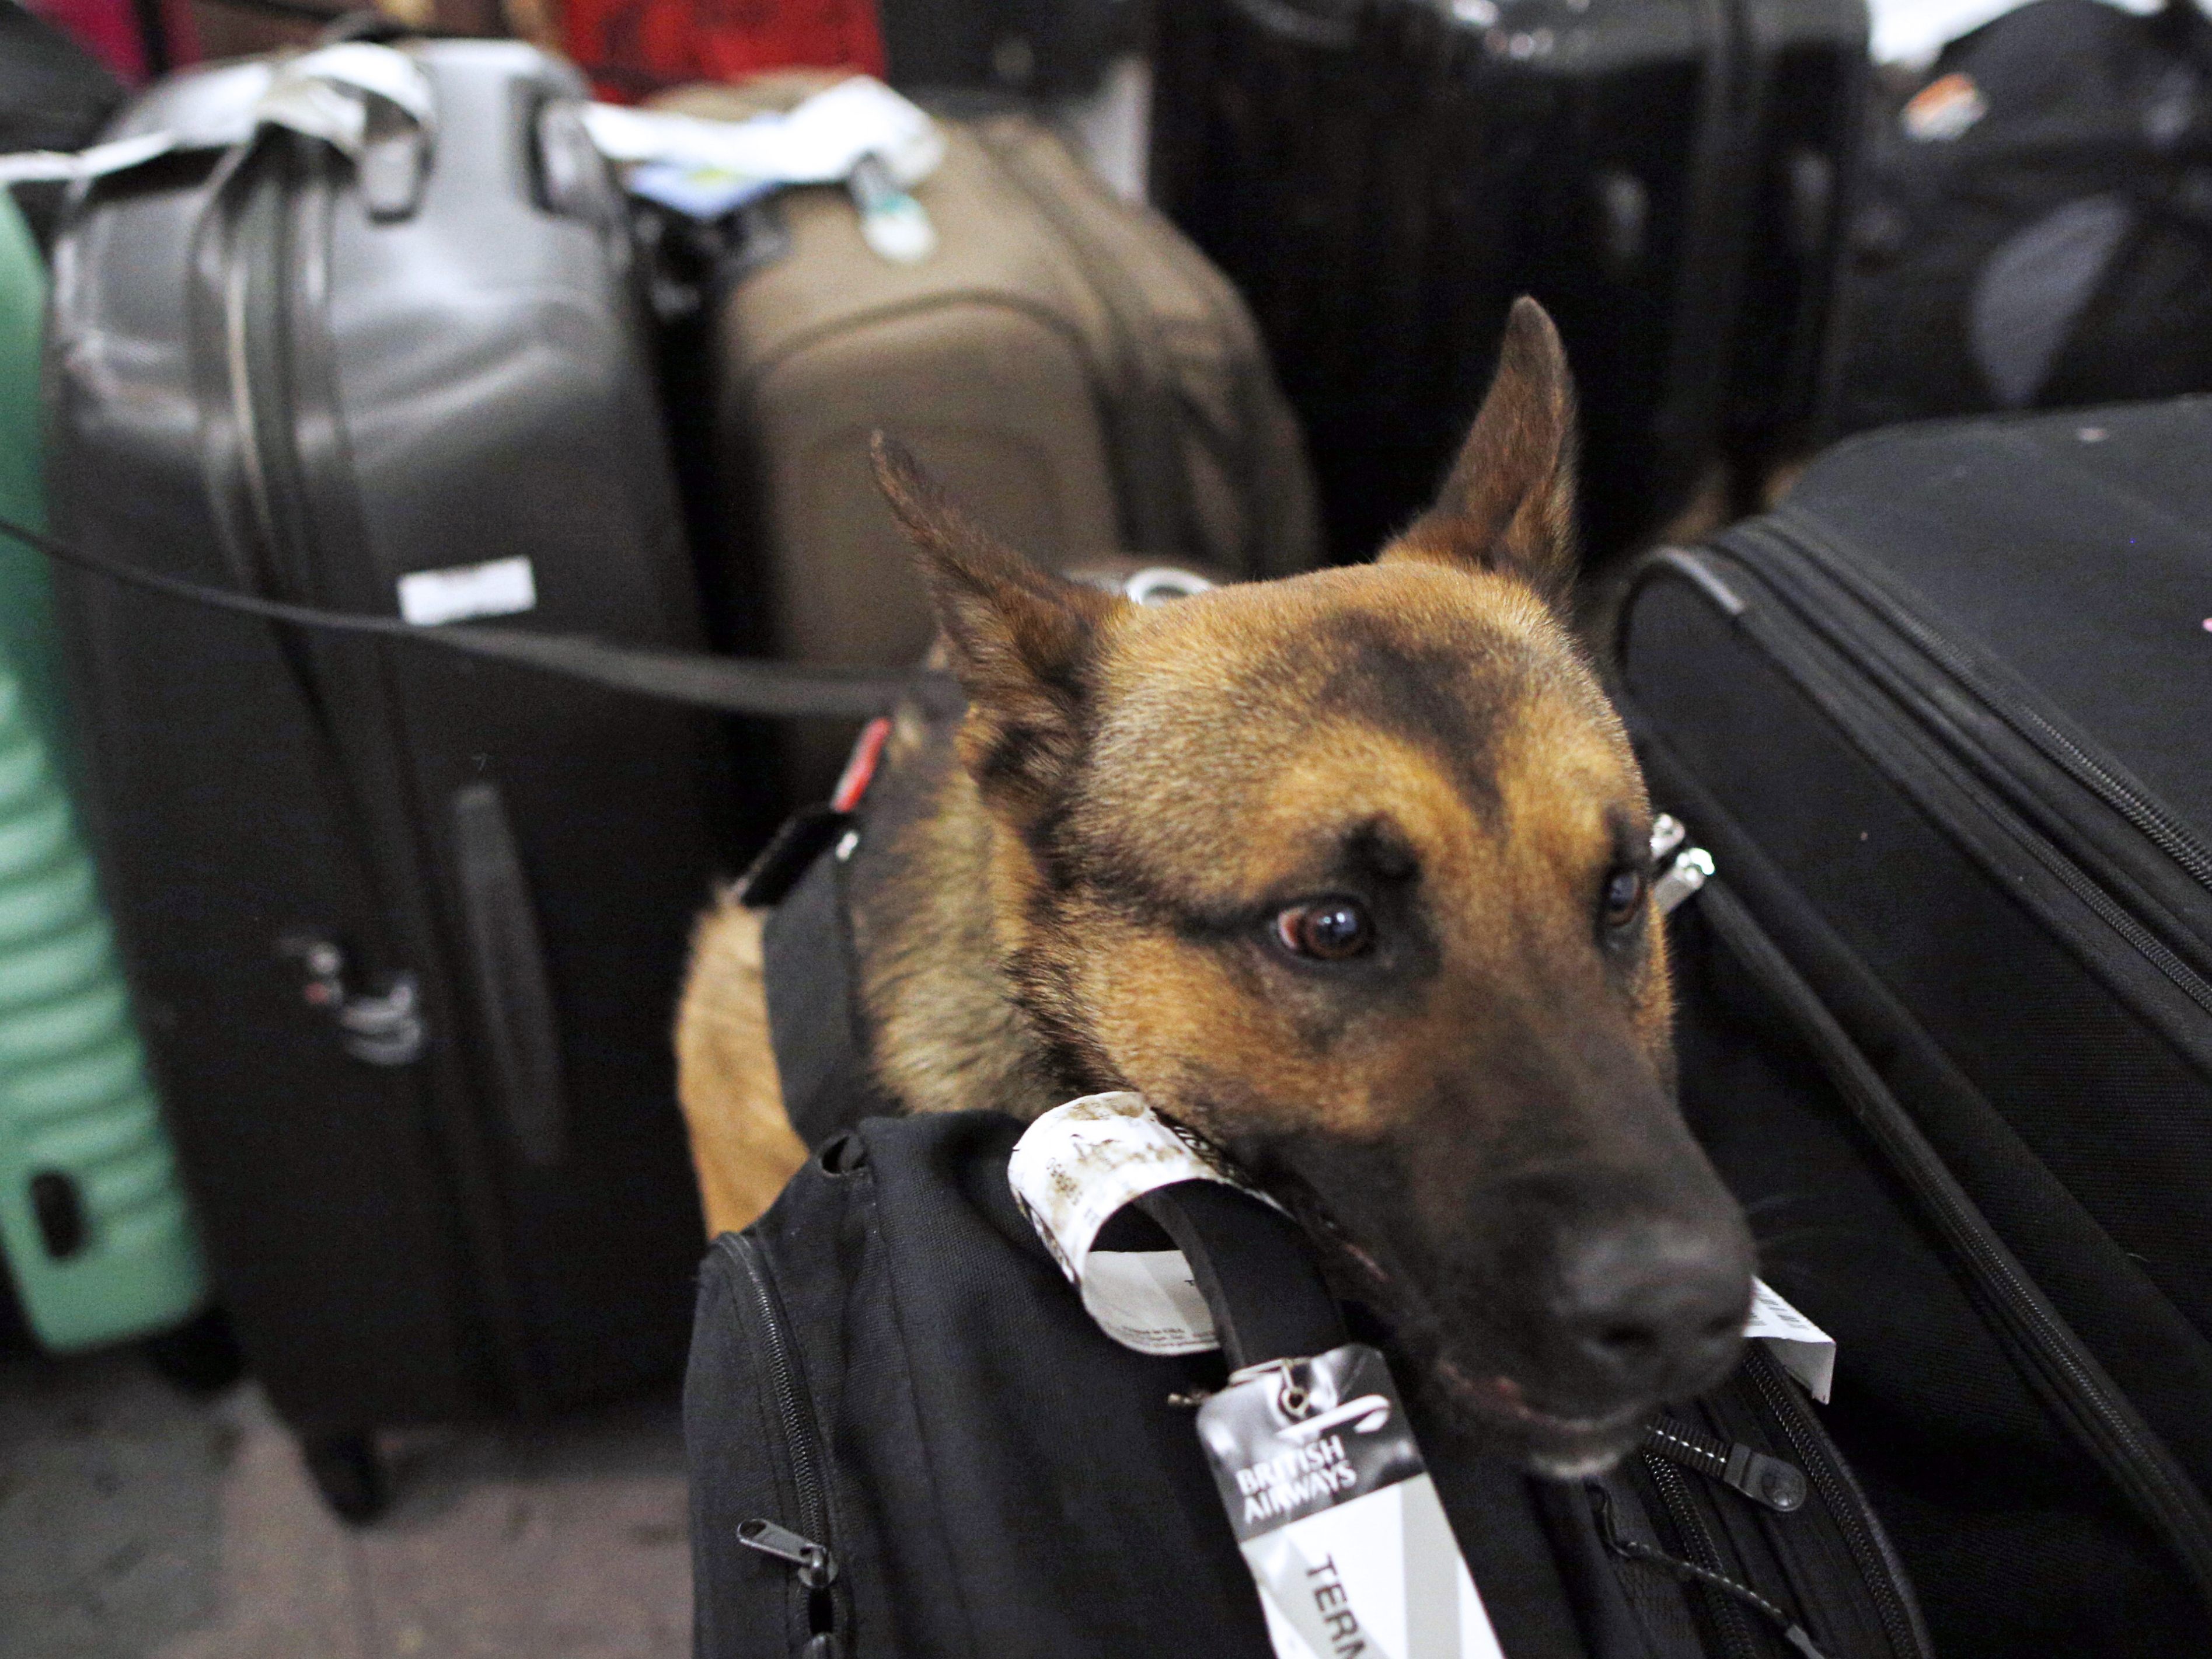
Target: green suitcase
(97,1234)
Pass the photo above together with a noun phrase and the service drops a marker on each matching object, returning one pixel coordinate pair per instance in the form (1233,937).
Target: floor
(135,1524)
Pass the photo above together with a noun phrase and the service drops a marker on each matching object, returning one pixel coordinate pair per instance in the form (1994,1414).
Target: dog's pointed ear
(1508,504)
(1022,640)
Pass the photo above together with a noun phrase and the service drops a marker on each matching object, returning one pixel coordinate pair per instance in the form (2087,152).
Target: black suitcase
(1382,177)
(890,1369)
(1042,48)
(407,929)
(1939,720)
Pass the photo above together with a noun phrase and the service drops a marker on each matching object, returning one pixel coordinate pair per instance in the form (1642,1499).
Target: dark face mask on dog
(1351,873)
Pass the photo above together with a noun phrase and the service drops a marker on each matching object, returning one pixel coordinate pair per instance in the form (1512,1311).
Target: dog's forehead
(1257,725)
(1394,643)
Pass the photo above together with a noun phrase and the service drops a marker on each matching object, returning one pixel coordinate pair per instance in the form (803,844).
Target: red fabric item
(860,768)
(631,47)
(108,29)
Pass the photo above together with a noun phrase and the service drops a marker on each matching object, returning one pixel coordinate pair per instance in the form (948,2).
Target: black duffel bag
(2035,226)
(907,1436)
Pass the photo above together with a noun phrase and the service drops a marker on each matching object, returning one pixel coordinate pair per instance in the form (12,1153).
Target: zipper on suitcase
(1702,1553)
(1781,1486)
(808,1549)
(1927,771)
(2174,839)
(1783,569)
(1767,1482)
(1879,1567)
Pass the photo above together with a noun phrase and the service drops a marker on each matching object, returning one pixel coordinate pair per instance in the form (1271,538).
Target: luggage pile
(1382,179)
(405,929)
(387,335)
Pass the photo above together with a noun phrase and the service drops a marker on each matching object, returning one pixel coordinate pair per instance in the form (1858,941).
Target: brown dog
(1349,872)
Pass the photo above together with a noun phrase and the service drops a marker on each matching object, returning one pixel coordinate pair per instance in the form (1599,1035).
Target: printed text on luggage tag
(1080,1164)
(1337,1516)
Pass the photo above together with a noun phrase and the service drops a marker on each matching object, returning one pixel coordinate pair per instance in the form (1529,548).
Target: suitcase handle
(1332,29)
(507,960)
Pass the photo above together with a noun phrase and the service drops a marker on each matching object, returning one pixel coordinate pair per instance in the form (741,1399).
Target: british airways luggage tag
(1326,1491)
(1336,1514)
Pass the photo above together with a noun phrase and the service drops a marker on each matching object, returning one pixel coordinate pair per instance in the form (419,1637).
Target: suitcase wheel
(200,1358)
(350,1472)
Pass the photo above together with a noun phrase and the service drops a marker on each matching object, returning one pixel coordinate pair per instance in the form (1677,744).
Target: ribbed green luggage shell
(76,1103)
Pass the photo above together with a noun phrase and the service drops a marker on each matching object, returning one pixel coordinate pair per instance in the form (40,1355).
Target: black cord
(1631,1549)
(738,685)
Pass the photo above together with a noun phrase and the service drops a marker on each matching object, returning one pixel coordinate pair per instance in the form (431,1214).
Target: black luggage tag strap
(1310,1448)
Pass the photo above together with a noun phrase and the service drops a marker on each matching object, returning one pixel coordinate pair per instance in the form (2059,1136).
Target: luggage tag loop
(374,104)
(1316,1464)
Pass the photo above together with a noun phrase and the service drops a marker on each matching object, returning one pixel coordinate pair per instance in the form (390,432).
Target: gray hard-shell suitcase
(407,931)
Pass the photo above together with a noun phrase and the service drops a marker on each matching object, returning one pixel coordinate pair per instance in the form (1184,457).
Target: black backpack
(2036,226)
(907,1436)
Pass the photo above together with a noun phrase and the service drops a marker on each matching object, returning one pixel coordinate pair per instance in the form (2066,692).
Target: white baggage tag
(1336,1514)
(1073,1170)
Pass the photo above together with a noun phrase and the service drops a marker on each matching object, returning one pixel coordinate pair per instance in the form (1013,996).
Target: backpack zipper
(1703,1555)
(1767,1482)
(1878,1564)
(807,1549)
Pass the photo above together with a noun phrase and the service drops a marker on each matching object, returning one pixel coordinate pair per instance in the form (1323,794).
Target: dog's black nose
(1654,1308)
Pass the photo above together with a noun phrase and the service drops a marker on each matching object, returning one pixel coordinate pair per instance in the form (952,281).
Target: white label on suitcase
(1338,1520)
(498,588)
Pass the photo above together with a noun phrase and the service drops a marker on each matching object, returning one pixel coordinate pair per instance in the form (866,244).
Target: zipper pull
(816,1567)
(1682,875)
(1769,1481)
(1682,878)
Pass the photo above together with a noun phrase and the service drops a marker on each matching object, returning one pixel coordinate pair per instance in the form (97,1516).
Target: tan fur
(742,1145)
(1103,877)
(1480,576)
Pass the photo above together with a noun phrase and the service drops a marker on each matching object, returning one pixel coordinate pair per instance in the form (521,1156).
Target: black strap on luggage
(1256,1267)
(813,1010)
(731,685)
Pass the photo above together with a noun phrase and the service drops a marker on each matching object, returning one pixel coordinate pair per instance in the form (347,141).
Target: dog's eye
(1329,929)
(1623,898)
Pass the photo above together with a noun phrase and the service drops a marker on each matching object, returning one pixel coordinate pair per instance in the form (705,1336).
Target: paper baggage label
(1800,1346)
(1078,1164)
(1337,1516)
(498,588)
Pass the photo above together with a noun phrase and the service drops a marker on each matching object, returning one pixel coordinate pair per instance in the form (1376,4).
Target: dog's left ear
(1021,638)
(1508,504)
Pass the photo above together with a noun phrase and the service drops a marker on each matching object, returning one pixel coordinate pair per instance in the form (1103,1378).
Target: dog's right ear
(1022,640)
